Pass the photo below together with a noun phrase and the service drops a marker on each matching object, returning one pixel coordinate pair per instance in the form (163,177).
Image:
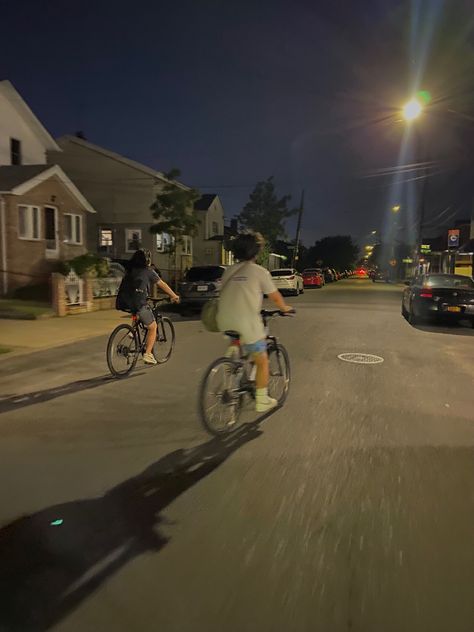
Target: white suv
(288,281)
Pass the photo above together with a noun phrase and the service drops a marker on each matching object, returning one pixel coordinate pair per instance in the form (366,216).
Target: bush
(88,263)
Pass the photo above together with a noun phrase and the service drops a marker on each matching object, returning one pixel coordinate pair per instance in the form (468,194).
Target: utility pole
(298,231)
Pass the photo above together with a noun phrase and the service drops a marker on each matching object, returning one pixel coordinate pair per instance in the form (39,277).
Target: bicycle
(126,342)
(234,375)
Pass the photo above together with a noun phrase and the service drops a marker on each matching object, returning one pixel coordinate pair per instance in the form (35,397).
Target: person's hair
(140,259)
(247,247)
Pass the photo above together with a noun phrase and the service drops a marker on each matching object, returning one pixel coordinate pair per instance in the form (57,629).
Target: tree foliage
(174,209)
(338,252)
(265,212)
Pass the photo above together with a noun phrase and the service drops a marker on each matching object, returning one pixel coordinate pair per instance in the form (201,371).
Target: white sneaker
(149,358)
(263,404)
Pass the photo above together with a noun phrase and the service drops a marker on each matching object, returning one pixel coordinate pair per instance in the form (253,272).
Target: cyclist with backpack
(132,295)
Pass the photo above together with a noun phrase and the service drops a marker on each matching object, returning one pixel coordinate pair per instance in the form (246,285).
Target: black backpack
(130,296)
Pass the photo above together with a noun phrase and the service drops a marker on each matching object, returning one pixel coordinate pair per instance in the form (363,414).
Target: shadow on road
(52,560)
(13,402)
(454,329)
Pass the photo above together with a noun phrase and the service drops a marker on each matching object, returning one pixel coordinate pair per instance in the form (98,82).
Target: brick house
(43,215)
(44,218)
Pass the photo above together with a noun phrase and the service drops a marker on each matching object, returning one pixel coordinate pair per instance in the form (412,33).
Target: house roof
(81,142)
(204,202)
(18,180)
(8,91)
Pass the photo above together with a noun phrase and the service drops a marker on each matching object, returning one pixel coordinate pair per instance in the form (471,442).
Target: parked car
(200,284)
(439,296)
(288,281)
(313,277)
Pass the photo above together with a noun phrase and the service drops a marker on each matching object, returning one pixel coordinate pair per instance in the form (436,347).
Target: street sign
(393,262)
(425,248)
(453,238)
(407,260)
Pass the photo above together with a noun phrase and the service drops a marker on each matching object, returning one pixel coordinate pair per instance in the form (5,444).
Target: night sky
(233,92)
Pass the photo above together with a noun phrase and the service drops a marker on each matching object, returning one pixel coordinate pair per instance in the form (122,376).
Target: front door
(51,231)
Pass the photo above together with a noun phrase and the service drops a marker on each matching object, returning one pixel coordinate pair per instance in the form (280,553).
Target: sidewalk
(25,336)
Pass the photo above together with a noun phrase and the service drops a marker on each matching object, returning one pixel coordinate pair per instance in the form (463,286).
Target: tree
(338,252)
(174,211)
(265,213)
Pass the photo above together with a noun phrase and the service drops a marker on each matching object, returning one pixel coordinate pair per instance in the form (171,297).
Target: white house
(43,215)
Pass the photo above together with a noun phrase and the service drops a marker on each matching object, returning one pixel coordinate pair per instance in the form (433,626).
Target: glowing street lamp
(396,208)
(412,110)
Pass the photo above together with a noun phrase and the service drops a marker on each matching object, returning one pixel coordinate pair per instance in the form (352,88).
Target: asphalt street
(350,509)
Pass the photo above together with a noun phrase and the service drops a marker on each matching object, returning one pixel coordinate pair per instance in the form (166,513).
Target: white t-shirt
(241,300)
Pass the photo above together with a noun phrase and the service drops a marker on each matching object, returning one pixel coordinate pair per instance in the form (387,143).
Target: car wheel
(413,319)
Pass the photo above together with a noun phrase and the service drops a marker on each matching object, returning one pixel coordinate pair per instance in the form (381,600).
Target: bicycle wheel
(122,350)
(279,365)
(165,338)
(220,397)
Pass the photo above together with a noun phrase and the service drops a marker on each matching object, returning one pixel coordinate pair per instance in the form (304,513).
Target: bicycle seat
(232,334)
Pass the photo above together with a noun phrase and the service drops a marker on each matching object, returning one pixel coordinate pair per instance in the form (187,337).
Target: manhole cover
(360,358)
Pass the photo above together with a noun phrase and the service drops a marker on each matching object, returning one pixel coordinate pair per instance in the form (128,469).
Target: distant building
(122,191)
(211,242)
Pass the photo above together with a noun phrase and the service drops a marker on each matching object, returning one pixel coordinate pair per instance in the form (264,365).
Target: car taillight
(426,294)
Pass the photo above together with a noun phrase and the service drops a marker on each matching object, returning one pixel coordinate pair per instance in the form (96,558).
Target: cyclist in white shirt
(240,304)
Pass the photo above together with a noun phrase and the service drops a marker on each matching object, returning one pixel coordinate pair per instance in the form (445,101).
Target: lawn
(32,308)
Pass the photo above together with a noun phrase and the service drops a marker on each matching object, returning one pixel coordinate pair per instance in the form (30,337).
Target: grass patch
(32,308)
(4,349)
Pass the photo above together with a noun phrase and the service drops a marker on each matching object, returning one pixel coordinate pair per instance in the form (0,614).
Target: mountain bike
(127,342)
(231,379)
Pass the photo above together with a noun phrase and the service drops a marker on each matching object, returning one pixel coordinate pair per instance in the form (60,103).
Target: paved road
(352,509)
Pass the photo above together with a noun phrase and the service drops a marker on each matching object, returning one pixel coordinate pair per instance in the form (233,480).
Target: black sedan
(439,296)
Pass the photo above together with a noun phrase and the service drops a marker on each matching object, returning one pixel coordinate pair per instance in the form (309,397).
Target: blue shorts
(256,347)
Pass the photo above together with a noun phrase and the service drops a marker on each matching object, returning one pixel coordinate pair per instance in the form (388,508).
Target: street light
(396,208)
(412,110)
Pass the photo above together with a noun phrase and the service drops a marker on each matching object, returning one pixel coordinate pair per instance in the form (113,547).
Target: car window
(285,272)
(210,273)
(450,281)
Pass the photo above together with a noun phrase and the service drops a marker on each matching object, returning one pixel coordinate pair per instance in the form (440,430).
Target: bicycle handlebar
(158,300)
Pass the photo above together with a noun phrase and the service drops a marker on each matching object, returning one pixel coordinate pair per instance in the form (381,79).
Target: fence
(72,294)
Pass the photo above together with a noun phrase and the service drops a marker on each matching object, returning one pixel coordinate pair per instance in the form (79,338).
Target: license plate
(202,288)
(454,308)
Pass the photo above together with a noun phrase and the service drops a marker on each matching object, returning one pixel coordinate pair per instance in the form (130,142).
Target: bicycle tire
(129,331)
(278,351)
(234,415)
(163,322)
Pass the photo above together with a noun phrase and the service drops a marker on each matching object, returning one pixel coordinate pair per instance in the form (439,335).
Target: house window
(133,239)
(29,222)
(164,242)
(105,238)
(187,245)
(215,228)
(15,151)
(72,228)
